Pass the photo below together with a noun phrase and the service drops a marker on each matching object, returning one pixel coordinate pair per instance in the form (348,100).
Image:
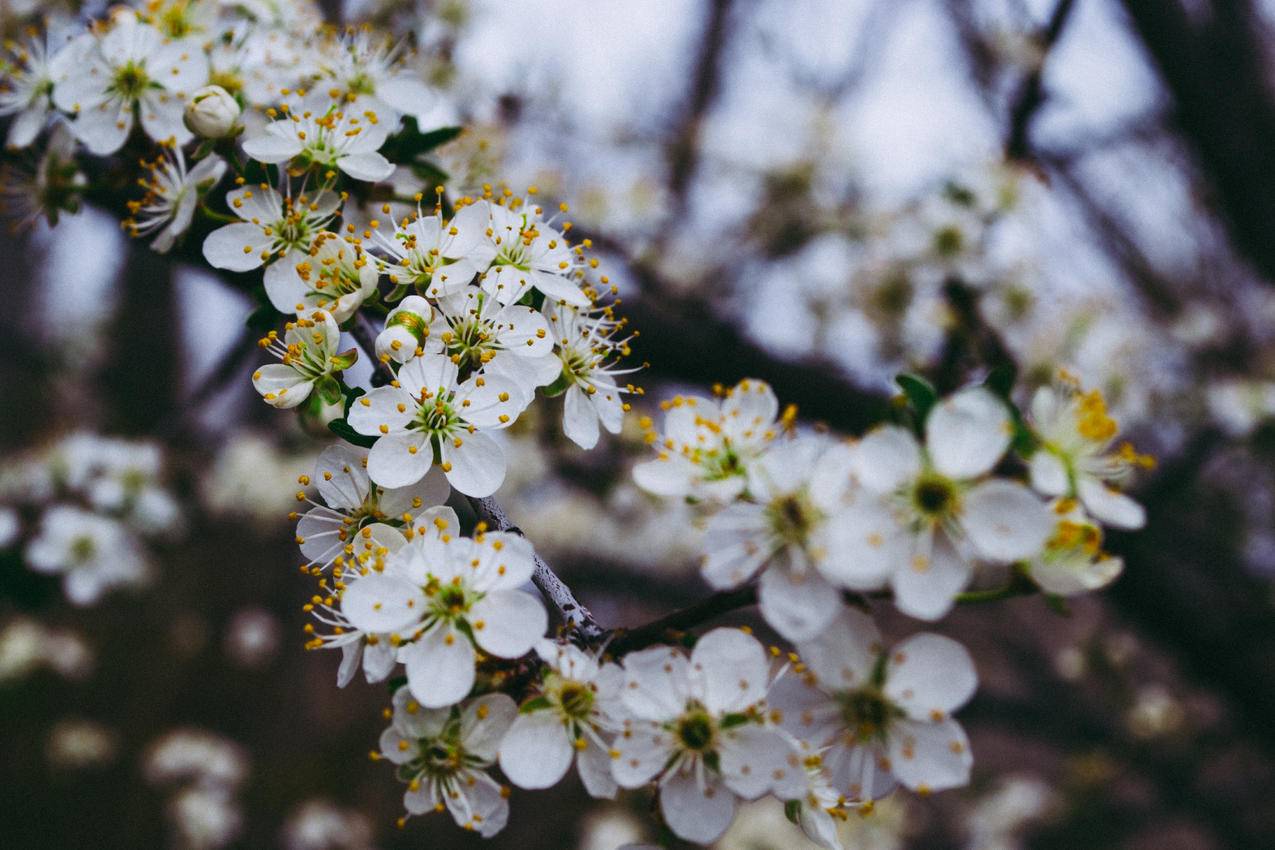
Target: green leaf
(263,319)
(343,430)
(352,393)
(920,393)
(792,811)
(1001,380)
(395,683)
(428,172)
(410,143)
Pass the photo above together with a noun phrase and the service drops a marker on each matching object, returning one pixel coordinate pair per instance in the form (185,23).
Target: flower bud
(212,112)
(406,327)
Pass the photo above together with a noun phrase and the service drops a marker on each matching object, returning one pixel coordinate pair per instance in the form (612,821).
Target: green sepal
(538,704)
(329,389)
(730,721)
(919,392)
(792,811)
(560,385)
(344,360)
(342,429)
(395,682)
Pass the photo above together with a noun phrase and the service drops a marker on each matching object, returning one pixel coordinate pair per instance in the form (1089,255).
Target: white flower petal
(484,722)
(1109,506)
(843,656)
(579,419)
(399,460)
(1049,473)
(925,587)
(440,667)
(756,760)
(536,751)
(656,684)
(477,464)
(507,623)
(967,433)
(797,605)
(929,676)
(1005,521)
(930,756)
(730,669)
(695,814)
(380,603)
(887,458)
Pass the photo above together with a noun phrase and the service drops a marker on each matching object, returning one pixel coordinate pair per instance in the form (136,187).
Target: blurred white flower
(322,825)
(76,744)
(92,553)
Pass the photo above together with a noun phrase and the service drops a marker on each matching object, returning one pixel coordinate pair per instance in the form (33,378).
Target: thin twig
(683,619)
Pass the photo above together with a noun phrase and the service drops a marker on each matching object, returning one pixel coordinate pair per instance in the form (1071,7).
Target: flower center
(934,496)
(82,548)
(130,80)
(792,518)
(867,712)
(576,700)
(948,241)
(696,731)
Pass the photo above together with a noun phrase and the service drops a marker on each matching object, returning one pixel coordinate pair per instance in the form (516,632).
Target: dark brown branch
(671,625)
(1031,96)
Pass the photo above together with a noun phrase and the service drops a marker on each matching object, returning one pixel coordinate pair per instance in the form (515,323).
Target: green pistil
(130,81)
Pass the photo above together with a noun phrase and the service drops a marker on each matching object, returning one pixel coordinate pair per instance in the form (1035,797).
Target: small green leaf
(920,393)
(792,811)
(1001,380)
(343,430)
(395,683)
(352,393)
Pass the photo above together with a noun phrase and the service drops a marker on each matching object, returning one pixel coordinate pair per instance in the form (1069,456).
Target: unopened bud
(212,113)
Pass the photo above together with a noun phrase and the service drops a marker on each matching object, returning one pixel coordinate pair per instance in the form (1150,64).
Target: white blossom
(589,354)
(797,492)
(707,446)
(131,72)
(525,252)
(935,509)
(327,532)
(873,718)
(1072,560)
(406,328)
(476,331)
(431,411)
(442,599)
(698,728)
(309,360)
(275,229)
(444,754)
(328,135)
(572,718)
(92,553)
(334,276)
(172,194)
(1077,456)
(435,256)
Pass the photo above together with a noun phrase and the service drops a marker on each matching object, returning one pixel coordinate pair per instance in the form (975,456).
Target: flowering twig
(574,616)
(681,620)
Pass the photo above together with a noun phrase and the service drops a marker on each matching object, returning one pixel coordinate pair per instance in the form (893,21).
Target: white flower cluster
(486,302)
(909,512)
(203,774)
(83,509)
